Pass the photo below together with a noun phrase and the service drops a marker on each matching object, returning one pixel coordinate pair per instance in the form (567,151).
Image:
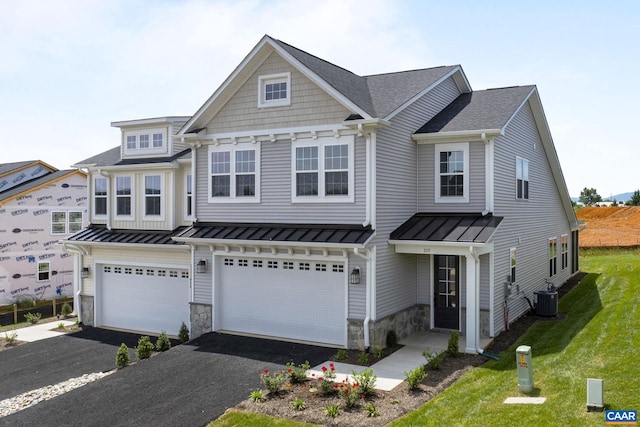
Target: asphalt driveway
(190,384)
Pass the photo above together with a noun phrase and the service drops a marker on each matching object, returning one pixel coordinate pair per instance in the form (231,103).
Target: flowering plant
(350,393)
(297,375)
(273,381)
(327,384)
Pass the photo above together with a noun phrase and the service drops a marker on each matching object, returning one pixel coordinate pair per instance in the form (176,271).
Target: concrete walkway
(390,370)
(40,331)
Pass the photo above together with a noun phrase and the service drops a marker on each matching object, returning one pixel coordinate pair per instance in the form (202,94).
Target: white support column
(473,306)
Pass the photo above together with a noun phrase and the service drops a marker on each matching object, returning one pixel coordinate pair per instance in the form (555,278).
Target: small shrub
(10,337)
(332,410)
(60,326)
(364,358)
(298,375)
(327,384)
(257,396)
(144,348)
(371,409)
(452,346)
(122,357)
(341,354)
(367,381)
(163,343)
(378,352)
(273,381)
(350,393)
(183,333)
(66,309)
(392,338)
(434,360)
(298,404)
(415,377)
(33,318)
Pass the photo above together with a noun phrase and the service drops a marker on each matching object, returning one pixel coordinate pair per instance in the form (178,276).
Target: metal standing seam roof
(302,233)
(100,234)
(460,228)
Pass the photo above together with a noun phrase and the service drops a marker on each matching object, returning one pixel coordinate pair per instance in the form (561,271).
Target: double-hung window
(234,173)
(522,178)
(189,196)
(323,170)
(452,173)
(553,256)
(124,194)
(100,197)
(44,271)
(564,250)
(63,222)
(274,90)
(512,263)
(153,195)
(145,141)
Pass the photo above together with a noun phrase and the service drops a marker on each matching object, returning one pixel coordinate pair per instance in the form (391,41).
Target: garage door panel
(146,299)
(302,302)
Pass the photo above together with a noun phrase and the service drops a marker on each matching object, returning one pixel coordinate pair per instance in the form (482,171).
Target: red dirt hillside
(610,226)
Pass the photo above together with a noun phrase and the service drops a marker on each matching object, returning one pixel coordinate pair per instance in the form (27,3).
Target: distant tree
(635,199)
(589,197)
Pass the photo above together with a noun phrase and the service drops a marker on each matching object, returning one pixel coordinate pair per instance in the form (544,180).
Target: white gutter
(488,168)
(109,195)
(369,286)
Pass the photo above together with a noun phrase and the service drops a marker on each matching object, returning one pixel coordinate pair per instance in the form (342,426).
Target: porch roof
(98,233)
(326,234)
(449,228)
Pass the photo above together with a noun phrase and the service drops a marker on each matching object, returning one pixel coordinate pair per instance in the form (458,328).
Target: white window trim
(513,265)
(564,252)
(554,258)
(460,146)
(162,198)
(93,199)
(322,142)
(131,216)
(151,150)
(66,223)
(273,78)
(232,148)
(187,203)
(527,180)
(38,279)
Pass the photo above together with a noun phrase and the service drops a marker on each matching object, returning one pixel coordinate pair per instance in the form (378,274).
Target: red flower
(289,370)
(331,364)
(266,371)
(335,385)
(320,378)
(333,369)
(324,369)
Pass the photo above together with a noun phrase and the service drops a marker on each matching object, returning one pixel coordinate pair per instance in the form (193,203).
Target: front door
(446,301)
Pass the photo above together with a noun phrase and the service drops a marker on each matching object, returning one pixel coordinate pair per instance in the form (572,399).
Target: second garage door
(145,299)
(299,300)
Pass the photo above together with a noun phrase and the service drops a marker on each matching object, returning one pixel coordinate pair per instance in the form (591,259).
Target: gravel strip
(30,398)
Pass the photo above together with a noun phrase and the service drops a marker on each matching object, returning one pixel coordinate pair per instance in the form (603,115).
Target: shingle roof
(99,233)
(112,158)
(106,158)
(462,228)
(29,185)
(302,233)
(379,94)
(483,109)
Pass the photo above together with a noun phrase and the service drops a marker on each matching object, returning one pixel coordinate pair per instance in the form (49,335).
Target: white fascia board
(147,122)
(435,248)
(267,133)
(453,72)
(126,245)
(139,166)
(267,243)
(463,135)
(524,102)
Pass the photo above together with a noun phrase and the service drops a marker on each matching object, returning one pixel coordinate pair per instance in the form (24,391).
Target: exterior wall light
(354,277)
(201,266)
(84,273)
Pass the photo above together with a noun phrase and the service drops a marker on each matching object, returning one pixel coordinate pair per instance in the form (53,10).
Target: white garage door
(145,299)
(286,299)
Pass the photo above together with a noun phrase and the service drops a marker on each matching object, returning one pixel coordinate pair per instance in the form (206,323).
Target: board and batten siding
(427,182)
(275,192)
(396,163)
(310,105)
(528,224)
(135,255)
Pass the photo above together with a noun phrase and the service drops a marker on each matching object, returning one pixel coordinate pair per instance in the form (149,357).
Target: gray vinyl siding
(203,282)
(527,224)
(310,105)
(176,144)
(427,182)
(275,201)
(357,293)
(425,278)
(485,277)
(396,276)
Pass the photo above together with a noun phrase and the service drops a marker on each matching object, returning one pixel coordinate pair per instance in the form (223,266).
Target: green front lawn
(597,338)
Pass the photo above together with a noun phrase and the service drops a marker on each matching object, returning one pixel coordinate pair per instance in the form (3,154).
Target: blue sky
(70,68)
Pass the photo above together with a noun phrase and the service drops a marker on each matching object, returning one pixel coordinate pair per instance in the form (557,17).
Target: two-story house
(39,205)
(333,208)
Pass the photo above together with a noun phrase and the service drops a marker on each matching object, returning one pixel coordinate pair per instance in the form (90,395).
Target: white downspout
(473,302)
(488,173)
(78,252)
(193,145)
(109,195)
(368,296)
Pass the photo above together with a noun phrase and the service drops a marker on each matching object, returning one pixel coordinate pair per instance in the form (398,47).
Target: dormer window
(274,90)
(147,141)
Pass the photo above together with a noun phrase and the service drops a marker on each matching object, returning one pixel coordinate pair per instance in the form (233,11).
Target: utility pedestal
(525,369)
